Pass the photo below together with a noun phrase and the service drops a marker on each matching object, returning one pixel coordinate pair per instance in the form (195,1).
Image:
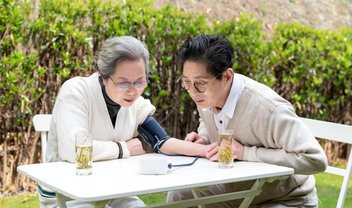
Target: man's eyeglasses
(128,85)
(200,86)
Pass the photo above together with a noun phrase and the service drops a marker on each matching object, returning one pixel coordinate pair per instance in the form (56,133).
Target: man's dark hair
(215,51)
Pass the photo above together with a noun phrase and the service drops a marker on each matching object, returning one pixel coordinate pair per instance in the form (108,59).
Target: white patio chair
(340,133)
(41,124)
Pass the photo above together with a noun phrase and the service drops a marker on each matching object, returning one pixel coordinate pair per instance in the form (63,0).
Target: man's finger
(212,146)
(214,158)
(190,138)
(213,149)
(199,140)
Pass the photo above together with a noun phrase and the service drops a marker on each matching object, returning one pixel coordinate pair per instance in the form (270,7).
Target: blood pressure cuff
(152,133)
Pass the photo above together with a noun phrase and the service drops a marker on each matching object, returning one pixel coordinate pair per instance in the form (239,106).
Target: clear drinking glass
(84,152)
(225,153)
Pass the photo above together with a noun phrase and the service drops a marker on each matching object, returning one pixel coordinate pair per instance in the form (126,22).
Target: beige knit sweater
(271,132)
(80,104)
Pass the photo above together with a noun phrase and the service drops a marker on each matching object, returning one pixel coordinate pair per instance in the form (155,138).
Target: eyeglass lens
(199,86)
(128,85)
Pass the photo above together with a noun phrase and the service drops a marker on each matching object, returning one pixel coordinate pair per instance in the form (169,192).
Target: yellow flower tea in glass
(84,152)
(225,152)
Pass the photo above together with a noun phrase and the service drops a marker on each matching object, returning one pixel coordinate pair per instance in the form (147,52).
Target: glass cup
(84,152)
(225,152)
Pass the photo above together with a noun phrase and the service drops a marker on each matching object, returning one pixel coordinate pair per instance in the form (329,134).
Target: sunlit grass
(20,201)
(154,198)
(328,187)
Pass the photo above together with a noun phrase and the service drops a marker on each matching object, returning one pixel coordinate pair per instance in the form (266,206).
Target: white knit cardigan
(80,104)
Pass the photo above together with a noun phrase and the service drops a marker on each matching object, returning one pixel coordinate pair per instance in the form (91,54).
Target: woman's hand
(195,138)
(135,147)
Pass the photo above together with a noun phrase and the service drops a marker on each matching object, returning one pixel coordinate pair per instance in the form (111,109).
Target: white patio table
(120,178)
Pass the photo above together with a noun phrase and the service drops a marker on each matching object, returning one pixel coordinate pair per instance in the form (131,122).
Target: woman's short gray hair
(117,49)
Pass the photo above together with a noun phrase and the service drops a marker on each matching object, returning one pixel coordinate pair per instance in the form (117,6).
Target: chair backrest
(334,132)
(41,123)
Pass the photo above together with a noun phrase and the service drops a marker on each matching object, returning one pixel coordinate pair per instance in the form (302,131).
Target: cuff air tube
(153,134)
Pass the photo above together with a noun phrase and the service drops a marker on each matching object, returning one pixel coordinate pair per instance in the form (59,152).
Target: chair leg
(344,186)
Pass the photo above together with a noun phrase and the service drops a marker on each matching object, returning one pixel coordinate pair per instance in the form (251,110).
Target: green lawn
(328,187)
(328,190)
(30,201)
(20,201)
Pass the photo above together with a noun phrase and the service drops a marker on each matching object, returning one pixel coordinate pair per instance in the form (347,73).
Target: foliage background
(42,45)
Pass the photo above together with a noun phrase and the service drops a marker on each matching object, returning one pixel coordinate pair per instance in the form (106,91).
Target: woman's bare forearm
(177,146)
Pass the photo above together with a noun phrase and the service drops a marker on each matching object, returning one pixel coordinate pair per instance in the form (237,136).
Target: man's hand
(195,138)
(238,150)
(212,151)
(135,147)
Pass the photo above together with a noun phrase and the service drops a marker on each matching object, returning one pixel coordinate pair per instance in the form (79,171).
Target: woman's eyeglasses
(200,86)
(128,85)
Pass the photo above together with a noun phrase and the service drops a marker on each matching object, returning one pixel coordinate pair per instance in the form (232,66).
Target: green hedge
(309,67)
(313,69)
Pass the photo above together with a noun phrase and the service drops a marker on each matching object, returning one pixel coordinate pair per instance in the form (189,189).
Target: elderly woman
(108,104)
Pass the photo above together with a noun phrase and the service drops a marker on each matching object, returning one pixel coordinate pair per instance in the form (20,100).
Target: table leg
(257,189)
(248,196)
(196,194)
(61,200)
(206,199)
(256,186)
